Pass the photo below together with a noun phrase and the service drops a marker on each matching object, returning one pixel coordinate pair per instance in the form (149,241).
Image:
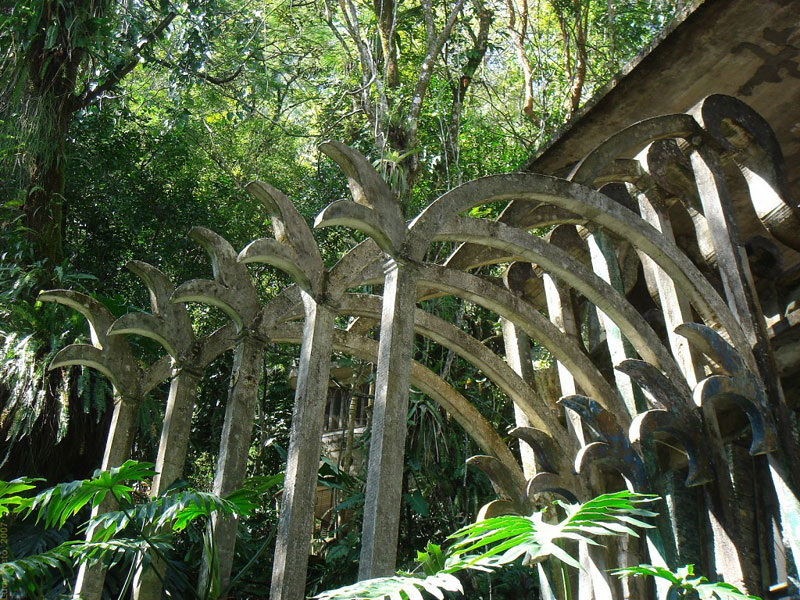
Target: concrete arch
(472,351)
(430,384)
(598,209)
(468,286)
(510,306)
(636,136)
(556,261)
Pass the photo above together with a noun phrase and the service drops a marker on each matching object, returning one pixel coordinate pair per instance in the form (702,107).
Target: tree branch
(426,72)
(114,77)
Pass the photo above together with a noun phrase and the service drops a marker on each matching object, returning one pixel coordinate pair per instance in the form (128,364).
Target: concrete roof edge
(689,13)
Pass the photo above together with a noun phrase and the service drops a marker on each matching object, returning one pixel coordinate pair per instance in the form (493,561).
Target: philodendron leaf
(400,587)
(493,543)
(684,581)
(513,535)
(55,505)
(9,491)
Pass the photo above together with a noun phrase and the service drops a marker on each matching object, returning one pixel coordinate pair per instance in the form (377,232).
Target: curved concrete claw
(672,172)
(749,395)
(504,482)
(148,326)
(294,249)
(282,257)
(655,423)
(597,418)
(355,216)
(228,272)
(659,390)
(288,226)
(709,342)
(85,356)
(216,294)
(98,316)
(613,450)
(744,133)
(160,288)
(496,508)
(232,289)
(550,483)
(543,445)
(376,212)
(169,323)
(600,454)
(366,185)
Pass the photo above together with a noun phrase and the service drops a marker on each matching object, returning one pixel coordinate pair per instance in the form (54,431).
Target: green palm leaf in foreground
(503,540)
(172,511)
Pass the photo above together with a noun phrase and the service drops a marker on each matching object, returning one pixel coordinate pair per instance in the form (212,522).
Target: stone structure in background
(666,290)
(665,372)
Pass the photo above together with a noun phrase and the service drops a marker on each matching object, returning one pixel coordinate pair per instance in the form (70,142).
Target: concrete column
(674,305)
(90,579)
(518,356)
(594,582)
(234,448)
(740,292)
(605,265)
(387,447)
(559,308)
(676,310)
(169,465)
(295,526)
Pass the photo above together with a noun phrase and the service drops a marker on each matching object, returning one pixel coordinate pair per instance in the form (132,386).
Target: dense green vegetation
(124,124)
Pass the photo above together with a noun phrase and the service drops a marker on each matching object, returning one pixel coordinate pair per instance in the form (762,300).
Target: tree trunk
(44,202)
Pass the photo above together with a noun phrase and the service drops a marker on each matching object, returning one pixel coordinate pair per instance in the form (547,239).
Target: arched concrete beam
(353,266)
(361,264)
(630,141)
(598,209)
(572,272)
(501,301)
(536,326)
(471,350)
(428,383)
(757,153)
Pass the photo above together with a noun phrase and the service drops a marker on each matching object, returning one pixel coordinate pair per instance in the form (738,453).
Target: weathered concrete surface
(169,325)
(471,350)
(295,526)
(111,356)
(387,447)
(233,292)
(428,383)
(579,199)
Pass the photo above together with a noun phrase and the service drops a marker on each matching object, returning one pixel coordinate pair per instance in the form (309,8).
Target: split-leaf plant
(497,542)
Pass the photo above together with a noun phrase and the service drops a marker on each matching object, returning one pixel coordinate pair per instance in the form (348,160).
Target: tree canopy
(123,124)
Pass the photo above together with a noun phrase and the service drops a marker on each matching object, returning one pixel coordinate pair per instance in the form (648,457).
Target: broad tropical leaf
(55,505)
(505,539)
(400,587)
(511,536)
(685,583)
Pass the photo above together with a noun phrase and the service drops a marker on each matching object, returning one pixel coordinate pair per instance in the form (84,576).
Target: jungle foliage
(123,124)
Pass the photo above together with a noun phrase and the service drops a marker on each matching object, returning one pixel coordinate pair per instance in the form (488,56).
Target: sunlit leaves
(126,535)
(493,543)
(684,583)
